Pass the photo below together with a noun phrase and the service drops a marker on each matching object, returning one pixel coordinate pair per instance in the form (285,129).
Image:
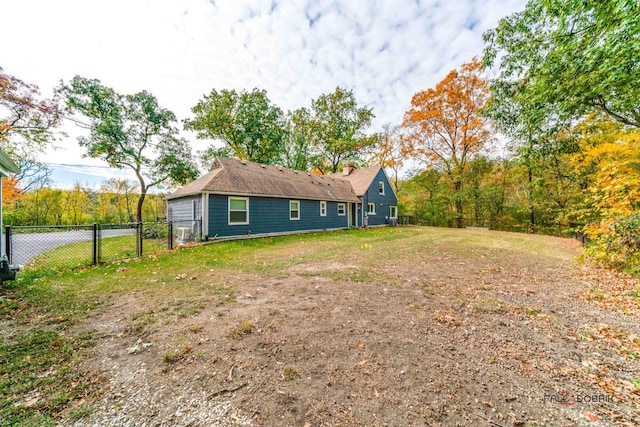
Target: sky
(179,50)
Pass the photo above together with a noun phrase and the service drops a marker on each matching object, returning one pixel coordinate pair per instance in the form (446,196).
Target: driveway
(26,246)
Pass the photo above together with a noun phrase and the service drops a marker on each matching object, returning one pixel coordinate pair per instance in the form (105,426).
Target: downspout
(365,212)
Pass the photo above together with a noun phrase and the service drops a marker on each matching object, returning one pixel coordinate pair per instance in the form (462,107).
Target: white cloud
(385,50)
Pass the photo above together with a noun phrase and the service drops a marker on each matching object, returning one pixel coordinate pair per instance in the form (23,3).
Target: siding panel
(383,202)
(271,215)
(181,210)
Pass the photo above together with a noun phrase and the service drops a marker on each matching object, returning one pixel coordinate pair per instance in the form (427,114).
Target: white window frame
(323,208)
(393,208)
(342,206)
(381,188)
(246,199)
(292,210)
(369,210)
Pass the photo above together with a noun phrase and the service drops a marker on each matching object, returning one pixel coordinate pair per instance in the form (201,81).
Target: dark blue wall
(271,215)
(382,202)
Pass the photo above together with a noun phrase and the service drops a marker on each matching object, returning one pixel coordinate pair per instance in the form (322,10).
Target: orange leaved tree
(445,128)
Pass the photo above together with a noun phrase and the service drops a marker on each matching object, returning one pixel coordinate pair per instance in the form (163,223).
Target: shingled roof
(360,179)
(236,177)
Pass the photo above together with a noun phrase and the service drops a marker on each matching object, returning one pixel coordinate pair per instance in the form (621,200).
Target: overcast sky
(180,50)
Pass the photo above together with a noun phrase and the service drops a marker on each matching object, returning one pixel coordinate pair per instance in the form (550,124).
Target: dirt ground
(443,335)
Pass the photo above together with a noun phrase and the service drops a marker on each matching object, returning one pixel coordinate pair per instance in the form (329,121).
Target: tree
(26,127)
(10,190)
(130,131)
(609,162)
(26,120)
(250,125)
(573,56)
(445,128)
(299,152)
(389,152)
(337,128)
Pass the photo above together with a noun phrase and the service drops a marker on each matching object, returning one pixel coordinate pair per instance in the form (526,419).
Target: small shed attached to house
(240,198)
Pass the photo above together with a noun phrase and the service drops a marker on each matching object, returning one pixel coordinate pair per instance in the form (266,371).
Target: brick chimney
(348,168)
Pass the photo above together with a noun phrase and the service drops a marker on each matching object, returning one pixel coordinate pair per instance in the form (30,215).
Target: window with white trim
(323,208)
(238,210)
(381,188)
(393,212)
(371,208)
(342,209)
(294,209)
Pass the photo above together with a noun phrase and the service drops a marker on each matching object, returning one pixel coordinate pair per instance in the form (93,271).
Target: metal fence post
(139,239)
(95,243)
(170,235)
(7,244)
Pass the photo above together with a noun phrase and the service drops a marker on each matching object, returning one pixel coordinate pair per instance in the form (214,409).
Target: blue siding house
(372,186)
(242,199)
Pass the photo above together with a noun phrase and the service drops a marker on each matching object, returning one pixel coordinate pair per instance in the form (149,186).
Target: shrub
(616,243)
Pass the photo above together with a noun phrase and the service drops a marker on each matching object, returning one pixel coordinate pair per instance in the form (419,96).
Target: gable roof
(360,179)
(236,177)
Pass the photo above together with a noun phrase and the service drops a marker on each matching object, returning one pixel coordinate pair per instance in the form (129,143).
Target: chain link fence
(68,246)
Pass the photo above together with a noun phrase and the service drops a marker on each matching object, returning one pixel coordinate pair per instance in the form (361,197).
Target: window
(341,209)
(381,187)
(393,212)
(294,209)
(371,208)
(238,210)
(323,208)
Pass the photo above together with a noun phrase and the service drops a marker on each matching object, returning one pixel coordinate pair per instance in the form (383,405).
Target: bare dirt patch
(407,332)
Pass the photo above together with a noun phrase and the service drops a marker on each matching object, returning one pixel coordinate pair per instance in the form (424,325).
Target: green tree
(299,152)
(574,56)
(337,127)
(248,123)
(130,131)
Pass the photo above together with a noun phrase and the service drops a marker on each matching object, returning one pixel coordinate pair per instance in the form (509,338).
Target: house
(374,189)
(239,198)
(7,167)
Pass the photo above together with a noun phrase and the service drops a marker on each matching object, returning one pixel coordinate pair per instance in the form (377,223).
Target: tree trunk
(143,194)
(532,212)
(458,204)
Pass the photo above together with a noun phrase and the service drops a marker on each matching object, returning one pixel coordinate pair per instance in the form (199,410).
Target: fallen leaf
(31,402)
(590,415)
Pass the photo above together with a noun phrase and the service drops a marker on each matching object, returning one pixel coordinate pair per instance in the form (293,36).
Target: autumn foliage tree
(445,128)
(27,123)
(389,152)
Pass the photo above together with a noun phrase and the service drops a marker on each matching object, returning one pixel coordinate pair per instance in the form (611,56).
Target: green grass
(36,376)
(81,253)
(38,354)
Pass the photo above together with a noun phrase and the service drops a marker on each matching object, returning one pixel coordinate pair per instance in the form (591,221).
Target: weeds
(245,328)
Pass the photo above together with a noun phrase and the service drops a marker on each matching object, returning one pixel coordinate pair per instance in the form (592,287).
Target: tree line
(115,202)
(549,141)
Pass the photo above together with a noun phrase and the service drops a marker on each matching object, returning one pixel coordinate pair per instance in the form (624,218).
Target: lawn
(385,326)
(81,253)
